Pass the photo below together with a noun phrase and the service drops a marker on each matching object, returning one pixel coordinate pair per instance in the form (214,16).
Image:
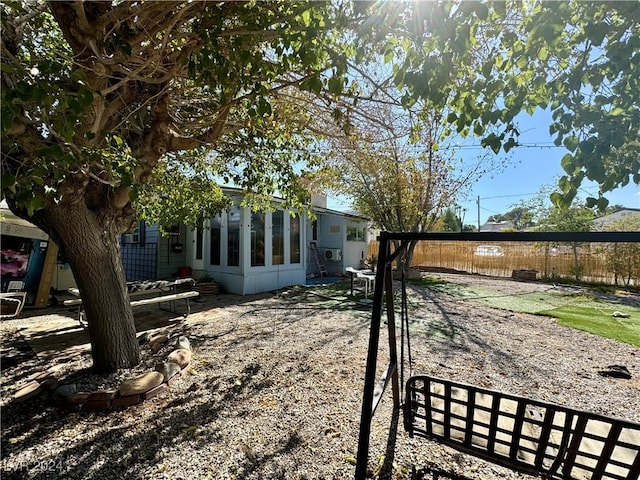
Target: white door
(197,259)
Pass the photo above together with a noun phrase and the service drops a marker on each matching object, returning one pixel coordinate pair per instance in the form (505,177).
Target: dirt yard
(274,389)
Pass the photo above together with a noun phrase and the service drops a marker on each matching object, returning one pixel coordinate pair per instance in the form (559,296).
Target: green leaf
(568,164)
(571,143)
(482,11)
(6,118)
(556,199)
(603,203)
(596,32)
(335,85)
(586,146)
(8,183)
(306,18)
(543,53)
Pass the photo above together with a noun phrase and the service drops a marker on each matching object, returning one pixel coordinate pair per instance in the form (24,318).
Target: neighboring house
(601,223)
(250,252)
(30,260)
(498,226)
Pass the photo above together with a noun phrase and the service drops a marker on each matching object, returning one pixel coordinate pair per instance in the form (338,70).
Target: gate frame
(373,390)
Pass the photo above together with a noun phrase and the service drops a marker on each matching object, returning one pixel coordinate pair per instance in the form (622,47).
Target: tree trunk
(92,250)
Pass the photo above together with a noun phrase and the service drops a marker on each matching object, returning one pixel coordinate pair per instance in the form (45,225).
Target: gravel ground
(275,387)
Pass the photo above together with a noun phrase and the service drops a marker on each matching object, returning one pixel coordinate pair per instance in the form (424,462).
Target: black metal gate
(139,260)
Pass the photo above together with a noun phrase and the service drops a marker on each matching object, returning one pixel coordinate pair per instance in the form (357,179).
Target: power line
(510,196)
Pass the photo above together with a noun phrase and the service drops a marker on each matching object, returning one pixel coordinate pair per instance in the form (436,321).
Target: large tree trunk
(91,248)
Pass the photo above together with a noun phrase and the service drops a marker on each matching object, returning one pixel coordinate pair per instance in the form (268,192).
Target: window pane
(277,237)
(294,239)
(233,238)
(356,234)
(214,253)
(257,239)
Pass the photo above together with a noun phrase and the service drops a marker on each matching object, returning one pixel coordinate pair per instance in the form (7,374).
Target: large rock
(183,342)
(158,338)
(140,384)
(168,370)
(64,391)
(180,356)
(31,389)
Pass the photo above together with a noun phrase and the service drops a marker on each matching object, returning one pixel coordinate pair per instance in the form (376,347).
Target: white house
(249,252)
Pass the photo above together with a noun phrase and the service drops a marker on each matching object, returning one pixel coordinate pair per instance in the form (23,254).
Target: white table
(367,276)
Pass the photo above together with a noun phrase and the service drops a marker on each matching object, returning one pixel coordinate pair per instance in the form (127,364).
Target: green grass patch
(598,319)
(533,302)
(427,282)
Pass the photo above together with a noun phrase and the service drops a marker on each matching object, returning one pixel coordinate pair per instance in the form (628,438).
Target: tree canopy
(490,61)
(114,109)
(114,90)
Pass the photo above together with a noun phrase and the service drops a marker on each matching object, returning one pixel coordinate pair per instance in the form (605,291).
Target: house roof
(316,208)
(497,226)
(605,220)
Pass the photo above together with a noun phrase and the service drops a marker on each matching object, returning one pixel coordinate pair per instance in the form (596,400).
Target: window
(356,234)
(199,243)
(277,237)
(294,239)
(257,239)
(137,236)
(233,238)
(215,244)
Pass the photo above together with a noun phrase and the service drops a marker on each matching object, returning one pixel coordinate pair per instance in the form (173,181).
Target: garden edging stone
(130,392)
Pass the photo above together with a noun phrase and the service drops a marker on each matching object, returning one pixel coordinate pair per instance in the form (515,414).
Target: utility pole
(478,202)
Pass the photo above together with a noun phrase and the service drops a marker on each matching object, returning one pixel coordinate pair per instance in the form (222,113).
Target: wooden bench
(524,434)
(165,291)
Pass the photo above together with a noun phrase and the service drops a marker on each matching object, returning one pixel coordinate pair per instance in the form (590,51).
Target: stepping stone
(140,384)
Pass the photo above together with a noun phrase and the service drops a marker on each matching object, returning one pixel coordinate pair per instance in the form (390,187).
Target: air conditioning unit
(131,238)
(333,254)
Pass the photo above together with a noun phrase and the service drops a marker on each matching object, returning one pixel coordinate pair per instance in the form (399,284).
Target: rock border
(131,391)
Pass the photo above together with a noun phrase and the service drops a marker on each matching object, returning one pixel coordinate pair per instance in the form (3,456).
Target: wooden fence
(589,262)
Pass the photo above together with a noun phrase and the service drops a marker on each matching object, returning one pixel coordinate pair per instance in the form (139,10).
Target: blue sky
(529,169)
